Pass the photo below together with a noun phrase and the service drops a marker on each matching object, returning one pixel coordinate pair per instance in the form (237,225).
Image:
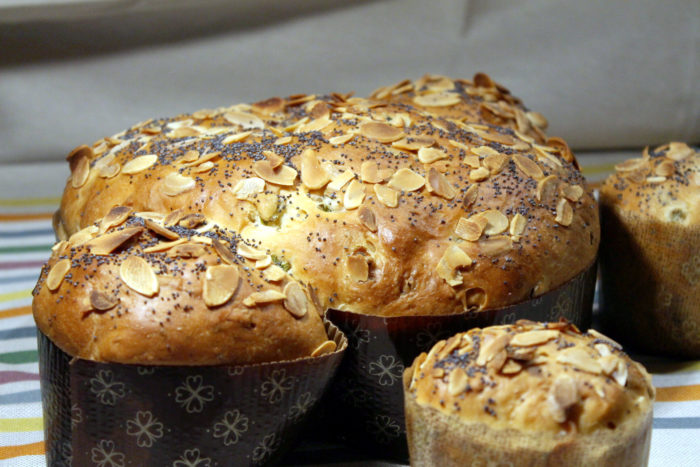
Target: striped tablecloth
(28,196)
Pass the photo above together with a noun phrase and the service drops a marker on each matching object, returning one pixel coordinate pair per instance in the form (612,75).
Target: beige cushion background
(607,74)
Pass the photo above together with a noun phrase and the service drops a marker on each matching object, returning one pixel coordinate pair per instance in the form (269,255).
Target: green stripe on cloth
(24,356)
(31,201)
(25,249)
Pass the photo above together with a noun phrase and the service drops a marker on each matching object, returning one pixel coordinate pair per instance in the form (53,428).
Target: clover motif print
(563,308)
(357,336)
(193,394)
(231,427)
(301,406)
(106,455)
(276,385)
(387,369)
(267,446)
(105,388)
(146,428)
(192,458)
(76,416)
(384,429)
(429,335)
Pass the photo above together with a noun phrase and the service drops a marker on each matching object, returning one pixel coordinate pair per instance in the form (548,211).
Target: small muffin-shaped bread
(172,290)
(650,252)
(528,394)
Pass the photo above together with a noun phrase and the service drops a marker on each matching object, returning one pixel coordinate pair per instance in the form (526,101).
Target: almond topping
(470,196)
(565,214)
(497,222)
(107,243)
(382,132)
(564,395)
(139,276)
(263,263)
(580,359)
(495,246)
(109,170)
(438,184)
(472,161)
(116,216)
(339,181)
(57,273)
(438,99)
(274,273)
(266,296)
(517,226)
(160,230)
(236,138)
(479,175)
(471,229)
(274,159)
(369,172)
(173,218)
(187,250)
(430,155)
(485,151)
(295,302)
(631,165)
(83,235)
(547,189)
(248,252)
(537,119)
(414,143)
(325,348)
(490,347)
(101,301)
(283,175)
(406,180)
(656,180)
(283,140)
(341,139)
(139,164)
(528,166)
(189,156)
(679,151)
(496,162)
(223,251)
(620,374)
(367,218)
(537,337)
(220,283)
(313,176)
(81,172)
(608,362)
(457,382)
(174,184)
(164,246)
(511,368)
(246,120)
(572,192)
(354,195)
(665,169)
(358,268)
(453,259)
(387,196)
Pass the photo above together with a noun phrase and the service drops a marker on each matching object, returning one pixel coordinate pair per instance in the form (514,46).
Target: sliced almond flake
(414,143)
(263,263)
(546,191)
(341,139)
(267,205)
(325,348)
(283,140)
(528,166)
(580,359)
(457,382)
(497,222)
(490,347)
(572,192)
(536,337)
(382,132)
(631,165)
(565,393)
(248,252)
(83,235)
(521,146)
(367,218)
(296,302)
(203,158)
(511,368)
(537,119)
(107,243)
(270,106)
(245,120)
(220,283)
(160,230)
(471,229)
(115,217)
(620,374)
(387,196)
(273,158)
(248,187)
(496,162)
(236,137)
(695,178)
(438,99)
(369,172)
(139,276)
(172,218)
(339,181)
(608,362)
(472,161)
(101,301)
(494,246)
(546,157)
(484,151)
(274,273)
(438,184)
(314,125)
(204,114)
(313,175)
(430,155)
(81,152)
(81,172)
(283,175)
(59,247)
(109,170)
(174,184)
(266,296)
(656,180)
(358,268)
(665,169)
(452,260)
(57,273)
(296,125)
(636,176)
(202,239)
(470,196)
(479,175)
(603,349)
(679,151)
(354,195)
(384,174)
(164,246)
(565,214)
(517,226)
(223,251)
(204,167)
(406,179)
(189,156)
(459,145)
(496,137)
(184,132)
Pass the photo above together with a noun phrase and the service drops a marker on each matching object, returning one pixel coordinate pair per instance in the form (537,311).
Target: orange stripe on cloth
(12,312)
(678,393)
(34,449)
(25,216)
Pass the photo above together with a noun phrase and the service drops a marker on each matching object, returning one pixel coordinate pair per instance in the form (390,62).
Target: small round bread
(528,394)
(176,290)
(650,253)
(381,207)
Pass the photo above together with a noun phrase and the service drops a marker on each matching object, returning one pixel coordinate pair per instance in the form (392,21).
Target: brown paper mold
(367,395)
(119,415)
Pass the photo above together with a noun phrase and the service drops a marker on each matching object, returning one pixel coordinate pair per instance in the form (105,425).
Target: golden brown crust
(543,392)
(323,183)
(649,254)
(131,295)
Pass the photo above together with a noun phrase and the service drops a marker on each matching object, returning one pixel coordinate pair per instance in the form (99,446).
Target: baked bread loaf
(528,394)
(378,205)
(650,254)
